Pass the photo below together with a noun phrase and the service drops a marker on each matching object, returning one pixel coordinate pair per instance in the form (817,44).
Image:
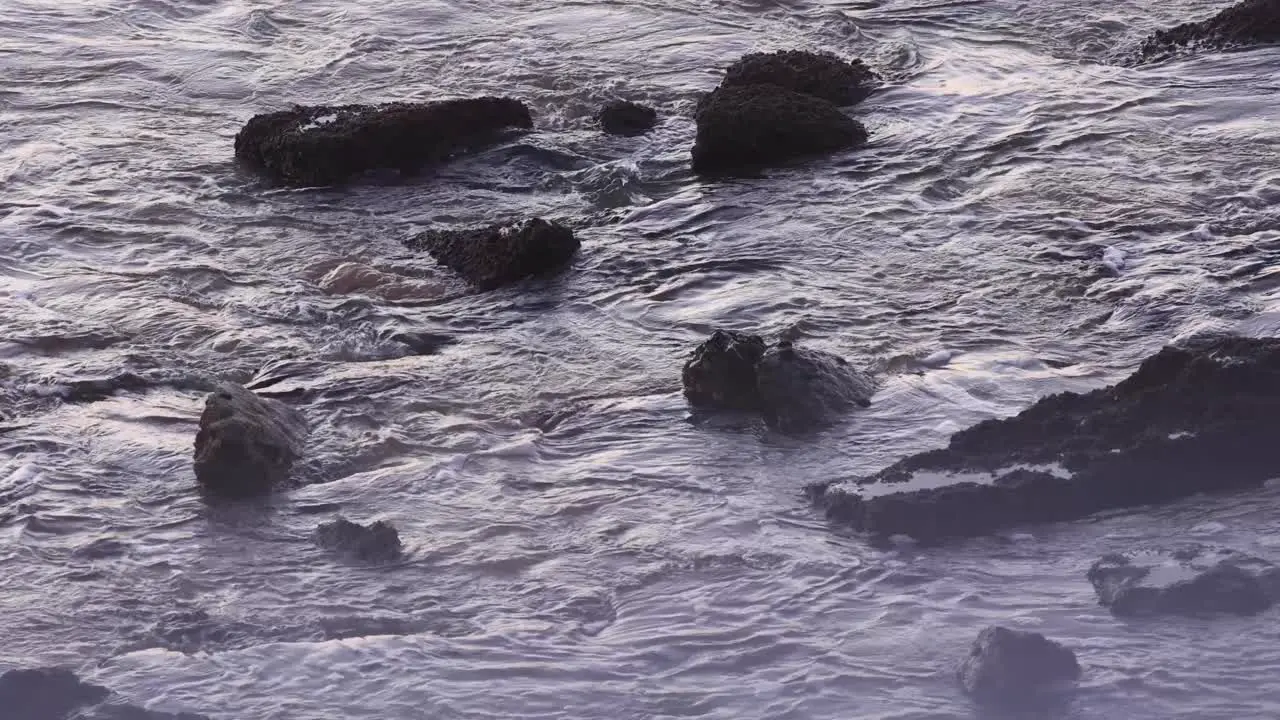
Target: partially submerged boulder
(822,75)
(58,694)
(246,444)
(793,388)
(623,117)
(747,127)
(1187,580)
(324,145)
(496,255)
(1197,418)
(1011,667)
(1251,22)
(377,542)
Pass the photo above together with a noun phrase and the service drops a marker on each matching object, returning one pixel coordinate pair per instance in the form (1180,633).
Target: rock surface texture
(1196,418)
(325,145)
(1252,22)
(246,444)
(822,75)
(497,255)
(375,543)
(1189,580)
(1012,667)
(622,117)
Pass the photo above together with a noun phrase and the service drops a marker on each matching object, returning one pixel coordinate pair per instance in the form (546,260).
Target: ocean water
(1031,215)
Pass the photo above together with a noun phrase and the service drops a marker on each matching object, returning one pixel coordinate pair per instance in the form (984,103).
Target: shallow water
(578,548)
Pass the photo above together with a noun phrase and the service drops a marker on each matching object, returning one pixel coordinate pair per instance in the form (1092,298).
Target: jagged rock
(324,145)
(753,126)
(1188,580)
(1192,419)
(793,388)
(246,444)
(721,374)
(378,542)
(1013,666)
(1252,22)
(497,255)
(622,117)
(57,694)
(821,75)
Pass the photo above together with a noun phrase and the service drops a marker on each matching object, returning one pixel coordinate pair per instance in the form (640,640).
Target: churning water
(1032,215)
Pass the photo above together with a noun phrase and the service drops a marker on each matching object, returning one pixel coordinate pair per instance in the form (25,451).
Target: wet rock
(246,444)
(721,374)
(1197,418)
(378,542)
(622,117)
(740,129)
(324,145)
(793,388)
(1013,666)
(1188,580)
(802,388)
(821,75)
(1252,22)
(497,255)
(57,694)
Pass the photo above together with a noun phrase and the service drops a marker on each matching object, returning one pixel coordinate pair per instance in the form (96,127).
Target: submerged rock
(1013,666)
(246,444)
(821,75)
(58,694)
(622,117)
(1252,22)
(378,542)
(752,126)
(1192,419)
(497,255)
(793,388)
(324,145)
(1189,580)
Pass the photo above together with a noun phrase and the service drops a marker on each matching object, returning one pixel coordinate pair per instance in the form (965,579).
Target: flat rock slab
(1188,580)
(329,144)
(496,255)
(246,444)
(1252,22)
(1197,418)
(1012,667)
(822,75)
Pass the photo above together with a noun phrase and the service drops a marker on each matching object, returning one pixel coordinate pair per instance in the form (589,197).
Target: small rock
(497,255)
(1188,580)
(721,374)
(378,542)
(821,75)
(622,117)
(246,444)
(1013,666)
(802,388)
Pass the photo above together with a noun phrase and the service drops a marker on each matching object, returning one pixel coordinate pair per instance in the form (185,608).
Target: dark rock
(1251,22)
(1189,580)
(57,694)
(497,255)
(622,117)
(246,444)
(793,388)
(132,712)
(721,374)
(821,75)
(378,542)
(801,388)
(1192,419)
(1013,666)
(423,343)
(323,145)
(745,128)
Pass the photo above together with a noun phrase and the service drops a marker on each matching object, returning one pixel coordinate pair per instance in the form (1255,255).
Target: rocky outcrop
(497,255)
(822,75)
(793,388)
(246,444)
(1252,22)
(57,694)
(1010,667)
(1196,418)
(325,145)
(622,117)
(1188,580)
(741,129)
(375,543)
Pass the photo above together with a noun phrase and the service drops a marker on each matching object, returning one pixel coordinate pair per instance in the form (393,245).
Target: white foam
(931,480)
(1114,259)
(319,121)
